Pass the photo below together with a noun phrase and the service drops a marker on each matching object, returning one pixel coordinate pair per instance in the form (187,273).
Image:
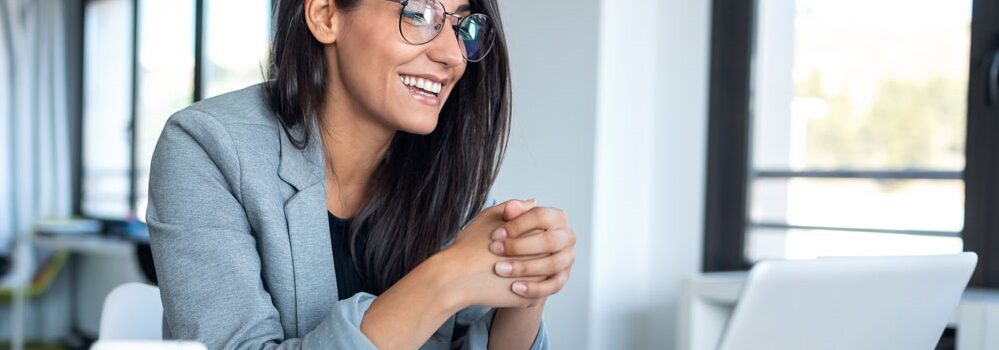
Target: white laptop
(882,303)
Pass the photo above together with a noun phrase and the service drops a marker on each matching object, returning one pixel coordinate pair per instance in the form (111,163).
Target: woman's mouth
(423,90)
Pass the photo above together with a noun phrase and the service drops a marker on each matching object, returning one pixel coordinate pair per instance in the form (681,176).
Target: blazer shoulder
(224,127)
(241,108)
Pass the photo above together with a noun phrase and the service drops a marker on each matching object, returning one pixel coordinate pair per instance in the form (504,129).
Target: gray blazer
(240,238)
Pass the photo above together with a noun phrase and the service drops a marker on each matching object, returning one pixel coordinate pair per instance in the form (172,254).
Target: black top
(348,279)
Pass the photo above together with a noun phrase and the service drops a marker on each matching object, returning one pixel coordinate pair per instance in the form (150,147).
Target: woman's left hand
(543,241)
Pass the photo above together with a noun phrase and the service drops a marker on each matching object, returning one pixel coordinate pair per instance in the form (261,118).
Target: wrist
(442,276)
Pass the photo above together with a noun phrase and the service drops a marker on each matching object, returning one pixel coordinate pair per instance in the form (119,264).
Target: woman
(342,203)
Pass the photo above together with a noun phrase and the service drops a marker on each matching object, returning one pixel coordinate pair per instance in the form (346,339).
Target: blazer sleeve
(205,253)
(472,325)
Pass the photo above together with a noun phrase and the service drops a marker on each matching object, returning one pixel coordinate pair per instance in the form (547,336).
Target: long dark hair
(428,186)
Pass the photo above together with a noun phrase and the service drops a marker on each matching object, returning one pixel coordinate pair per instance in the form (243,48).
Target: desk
(97,265)
(707,301)
(86,244)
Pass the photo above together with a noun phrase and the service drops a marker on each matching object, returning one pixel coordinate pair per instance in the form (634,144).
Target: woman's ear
(323,20)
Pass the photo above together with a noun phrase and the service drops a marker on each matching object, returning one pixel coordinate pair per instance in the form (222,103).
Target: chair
(132,311)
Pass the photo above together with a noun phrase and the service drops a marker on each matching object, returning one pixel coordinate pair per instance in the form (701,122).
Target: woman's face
(376,73)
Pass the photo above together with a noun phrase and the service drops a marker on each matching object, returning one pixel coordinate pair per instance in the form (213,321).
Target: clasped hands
(514,254)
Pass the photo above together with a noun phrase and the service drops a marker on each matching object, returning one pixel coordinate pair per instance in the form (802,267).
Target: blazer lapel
(308,228)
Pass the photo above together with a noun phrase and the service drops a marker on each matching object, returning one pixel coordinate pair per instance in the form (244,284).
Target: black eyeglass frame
(461,19)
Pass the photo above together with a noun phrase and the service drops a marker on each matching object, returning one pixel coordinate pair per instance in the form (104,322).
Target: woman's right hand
(469,265)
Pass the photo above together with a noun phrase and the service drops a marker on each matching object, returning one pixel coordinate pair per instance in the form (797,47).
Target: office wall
(683,55)
(610,115)
(652,120)
(554,63)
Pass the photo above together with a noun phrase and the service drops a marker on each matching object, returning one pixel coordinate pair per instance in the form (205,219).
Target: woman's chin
(421,126)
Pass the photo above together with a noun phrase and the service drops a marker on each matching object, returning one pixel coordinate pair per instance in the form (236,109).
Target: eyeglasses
(420,21)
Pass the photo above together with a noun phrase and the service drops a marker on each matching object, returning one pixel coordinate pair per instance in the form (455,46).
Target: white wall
(554,62)
(609,124)
(683,57)
(623,187)
(650,168)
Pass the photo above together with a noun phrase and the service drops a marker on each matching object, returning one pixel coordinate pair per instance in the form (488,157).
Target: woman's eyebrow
(464,8)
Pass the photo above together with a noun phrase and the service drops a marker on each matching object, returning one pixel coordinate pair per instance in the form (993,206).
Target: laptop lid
(879,303)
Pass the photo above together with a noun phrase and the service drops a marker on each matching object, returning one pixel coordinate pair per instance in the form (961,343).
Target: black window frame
(729,145)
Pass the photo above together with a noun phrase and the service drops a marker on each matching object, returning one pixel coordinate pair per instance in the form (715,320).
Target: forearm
(410,311)
(515,328)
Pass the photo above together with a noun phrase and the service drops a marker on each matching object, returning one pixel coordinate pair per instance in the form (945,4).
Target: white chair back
(132,311)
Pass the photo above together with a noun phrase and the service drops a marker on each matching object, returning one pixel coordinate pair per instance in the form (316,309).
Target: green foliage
(908,124)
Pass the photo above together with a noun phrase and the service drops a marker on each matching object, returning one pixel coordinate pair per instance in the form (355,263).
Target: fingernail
(499,234)
(497,248)
(519,287)
(532,201)
(504,268)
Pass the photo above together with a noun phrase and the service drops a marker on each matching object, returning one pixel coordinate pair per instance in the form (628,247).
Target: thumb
(514,208)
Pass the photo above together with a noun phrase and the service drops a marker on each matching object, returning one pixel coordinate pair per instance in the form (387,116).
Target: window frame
(981,192)
(729,145)
(733,31)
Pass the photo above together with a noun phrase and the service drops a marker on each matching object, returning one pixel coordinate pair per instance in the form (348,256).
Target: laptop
(882,303)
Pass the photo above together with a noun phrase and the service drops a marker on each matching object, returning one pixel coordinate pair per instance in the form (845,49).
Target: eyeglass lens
(422,20)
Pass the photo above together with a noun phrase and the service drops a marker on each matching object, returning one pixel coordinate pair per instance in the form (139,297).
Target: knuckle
(542,290)
(510,247)
(536,212)
(556,287)
(518,268)
(565,236)
(564,261)
(539,213)
(524,268)
(540,267)
(549,266)
(510,227)
(560,240)
(553,215)
(551,241)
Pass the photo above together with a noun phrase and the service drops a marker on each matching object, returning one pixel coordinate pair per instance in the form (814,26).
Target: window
(235,54)
(857,134)
(166,79)
(145,60)
(847,128)
(107,112)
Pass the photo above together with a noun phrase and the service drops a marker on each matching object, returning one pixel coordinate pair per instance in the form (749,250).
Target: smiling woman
(342,203)
(364,65)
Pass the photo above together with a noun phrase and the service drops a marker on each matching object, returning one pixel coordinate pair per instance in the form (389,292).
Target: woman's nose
(445,48)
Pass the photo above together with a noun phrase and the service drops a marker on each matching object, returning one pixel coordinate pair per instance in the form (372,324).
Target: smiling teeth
(422,84)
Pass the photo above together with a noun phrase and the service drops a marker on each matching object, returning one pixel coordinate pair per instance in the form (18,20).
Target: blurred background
(686,139)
